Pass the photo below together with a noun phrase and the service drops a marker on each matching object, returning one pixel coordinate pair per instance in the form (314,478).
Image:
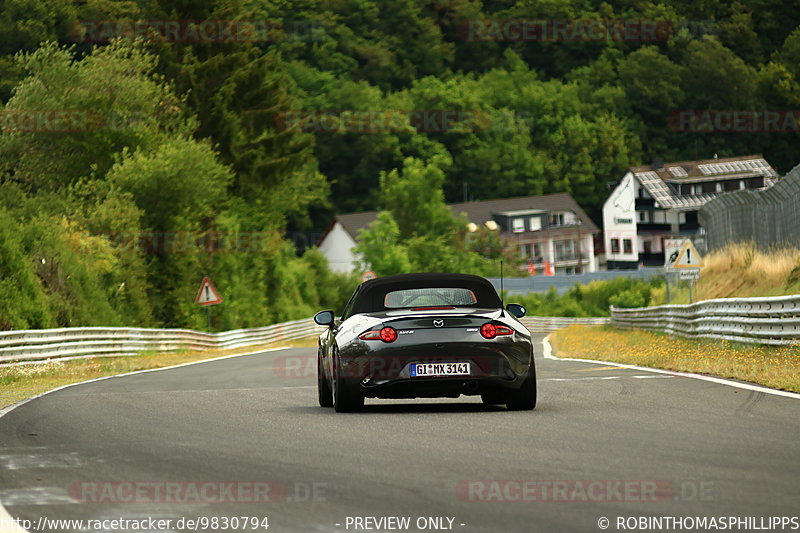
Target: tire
(323,387)
(524,398)
(493,398)
(344,399)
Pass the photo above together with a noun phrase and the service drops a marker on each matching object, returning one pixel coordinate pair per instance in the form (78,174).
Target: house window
(565,250)
(642,216)
(697,189)
(518,225)
(628,246)
(534,223)
(557,219)
(614,246)
(530,252)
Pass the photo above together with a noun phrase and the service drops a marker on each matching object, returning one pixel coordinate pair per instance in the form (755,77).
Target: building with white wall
(655,202)
(551,228)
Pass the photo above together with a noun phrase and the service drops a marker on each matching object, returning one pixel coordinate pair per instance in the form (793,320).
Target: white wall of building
(587,249)
(337,248)
(619,220)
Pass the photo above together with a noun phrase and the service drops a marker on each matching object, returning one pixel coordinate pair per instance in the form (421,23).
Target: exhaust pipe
(470,386)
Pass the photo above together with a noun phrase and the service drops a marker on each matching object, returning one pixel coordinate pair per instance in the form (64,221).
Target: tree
(68,118)
(415,199)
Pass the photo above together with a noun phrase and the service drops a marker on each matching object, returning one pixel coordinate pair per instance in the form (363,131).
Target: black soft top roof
(372,293)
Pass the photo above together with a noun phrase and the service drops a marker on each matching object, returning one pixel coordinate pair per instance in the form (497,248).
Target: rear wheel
(344,399)
(524,398)
(323,387)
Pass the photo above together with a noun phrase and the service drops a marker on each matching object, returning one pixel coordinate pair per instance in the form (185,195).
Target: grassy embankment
(18,382)
(736,271)
(777,367)
(741,270)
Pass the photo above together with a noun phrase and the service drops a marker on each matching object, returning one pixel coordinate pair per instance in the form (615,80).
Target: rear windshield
(429,297)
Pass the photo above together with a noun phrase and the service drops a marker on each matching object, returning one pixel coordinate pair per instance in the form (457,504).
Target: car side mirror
(517,310)
(324,318)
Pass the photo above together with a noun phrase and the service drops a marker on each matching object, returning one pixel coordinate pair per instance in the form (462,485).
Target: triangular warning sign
(688,257)
(208,294)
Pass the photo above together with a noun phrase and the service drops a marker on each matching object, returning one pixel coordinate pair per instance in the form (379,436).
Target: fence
(546,324)
(754,320)
(760,320)
(770,218)
(31,345)
(564,282)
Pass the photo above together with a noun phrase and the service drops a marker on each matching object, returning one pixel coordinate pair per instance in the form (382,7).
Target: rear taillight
(386,334)
(490,331)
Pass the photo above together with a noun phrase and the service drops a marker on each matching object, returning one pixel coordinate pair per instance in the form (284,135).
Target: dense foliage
(171,160)
(593,299)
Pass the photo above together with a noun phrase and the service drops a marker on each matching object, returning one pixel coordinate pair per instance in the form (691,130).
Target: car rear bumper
(385,373)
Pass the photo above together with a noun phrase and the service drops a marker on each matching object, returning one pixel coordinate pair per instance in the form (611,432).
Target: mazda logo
(438,323)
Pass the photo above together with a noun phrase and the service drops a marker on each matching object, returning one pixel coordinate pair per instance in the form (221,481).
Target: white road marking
(596,378)
(36,496)
(195,391)
(52,460)
(548,354)
(7,522)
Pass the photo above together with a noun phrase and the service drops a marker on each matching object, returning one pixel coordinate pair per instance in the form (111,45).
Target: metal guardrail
(547,324)
(42,344)
(757,320)
(32,345)
(774,320)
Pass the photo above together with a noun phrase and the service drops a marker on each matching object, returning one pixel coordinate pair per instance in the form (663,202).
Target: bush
(593,299)
(628,299)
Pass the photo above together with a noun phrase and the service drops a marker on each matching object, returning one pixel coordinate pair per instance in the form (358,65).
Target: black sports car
(425,335)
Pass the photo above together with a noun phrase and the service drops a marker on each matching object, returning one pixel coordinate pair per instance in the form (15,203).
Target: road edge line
(547,352)
(9,524)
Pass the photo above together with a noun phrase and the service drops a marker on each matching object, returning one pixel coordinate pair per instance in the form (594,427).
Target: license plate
(422,370)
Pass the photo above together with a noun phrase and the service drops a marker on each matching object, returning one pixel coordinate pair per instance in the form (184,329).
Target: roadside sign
(368,275)
(208,294)
(672,249)
(688,257)
(692,274)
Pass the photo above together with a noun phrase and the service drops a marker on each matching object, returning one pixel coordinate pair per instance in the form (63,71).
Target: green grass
(773,366)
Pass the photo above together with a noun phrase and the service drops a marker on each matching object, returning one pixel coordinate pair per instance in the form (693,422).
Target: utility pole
(579,222)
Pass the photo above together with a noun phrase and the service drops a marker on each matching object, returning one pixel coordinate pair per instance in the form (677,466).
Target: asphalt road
(653,445)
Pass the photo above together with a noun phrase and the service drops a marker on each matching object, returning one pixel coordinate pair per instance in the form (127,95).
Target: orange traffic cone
(531,268)
(548,270)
